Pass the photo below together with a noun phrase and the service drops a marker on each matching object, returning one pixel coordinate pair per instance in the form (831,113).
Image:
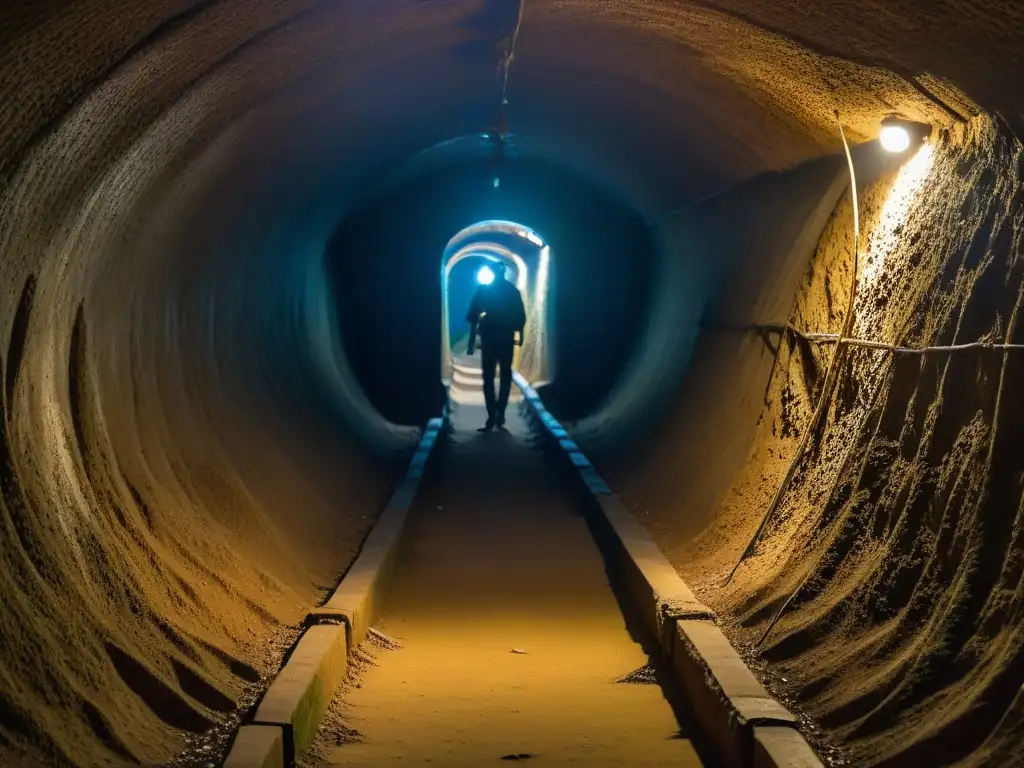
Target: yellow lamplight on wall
(898,135)
(886,237)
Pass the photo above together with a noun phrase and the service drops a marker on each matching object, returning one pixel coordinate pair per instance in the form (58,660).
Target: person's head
(498,268)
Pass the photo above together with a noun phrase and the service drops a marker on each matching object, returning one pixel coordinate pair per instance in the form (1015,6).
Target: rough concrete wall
(900,536)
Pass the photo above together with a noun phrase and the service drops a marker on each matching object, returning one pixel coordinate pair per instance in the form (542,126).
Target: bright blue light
(485,276)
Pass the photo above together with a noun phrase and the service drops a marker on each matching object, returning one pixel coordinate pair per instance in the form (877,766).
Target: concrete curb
(290,712)
(356,601)
(257,746)
(661,597)
(727,700)
(302,691)
(745,726)
(782,748)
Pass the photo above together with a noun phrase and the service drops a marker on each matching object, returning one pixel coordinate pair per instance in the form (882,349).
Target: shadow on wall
(383,263)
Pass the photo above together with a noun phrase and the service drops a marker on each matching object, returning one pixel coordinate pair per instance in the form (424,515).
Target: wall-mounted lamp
(898,135)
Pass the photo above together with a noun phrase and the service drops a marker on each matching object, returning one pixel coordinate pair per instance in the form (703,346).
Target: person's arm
(473,318)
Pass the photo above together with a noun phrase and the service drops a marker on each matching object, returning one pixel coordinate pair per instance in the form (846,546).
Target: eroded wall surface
(899,539)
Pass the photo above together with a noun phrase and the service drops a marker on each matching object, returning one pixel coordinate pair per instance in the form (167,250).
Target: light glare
(485,276)
(894,138)
(885,239)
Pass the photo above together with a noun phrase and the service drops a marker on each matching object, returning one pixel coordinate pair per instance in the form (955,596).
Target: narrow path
(511,637)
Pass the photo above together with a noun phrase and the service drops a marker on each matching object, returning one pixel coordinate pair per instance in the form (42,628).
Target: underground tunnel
(792,354)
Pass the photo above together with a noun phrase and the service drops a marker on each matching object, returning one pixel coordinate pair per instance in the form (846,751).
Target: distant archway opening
(528,260)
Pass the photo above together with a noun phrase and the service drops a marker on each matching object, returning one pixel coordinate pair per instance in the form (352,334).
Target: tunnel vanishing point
(221,225)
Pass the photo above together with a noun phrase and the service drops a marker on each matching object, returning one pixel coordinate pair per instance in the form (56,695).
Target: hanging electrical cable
(883,346)
(510,52)
(499,131)
(830,376)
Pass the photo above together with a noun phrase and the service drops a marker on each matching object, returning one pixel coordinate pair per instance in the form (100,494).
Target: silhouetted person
(498,315)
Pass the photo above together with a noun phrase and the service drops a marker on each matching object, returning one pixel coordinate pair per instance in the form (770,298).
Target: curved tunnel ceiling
(667,100)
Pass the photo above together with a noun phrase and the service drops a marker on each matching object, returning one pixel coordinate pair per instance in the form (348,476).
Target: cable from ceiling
(830,379)
(499,132)
(510,52)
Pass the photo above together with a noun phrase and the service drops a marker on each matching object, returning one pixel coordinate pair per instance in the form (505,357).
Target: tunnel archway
(388,278)
(531,257)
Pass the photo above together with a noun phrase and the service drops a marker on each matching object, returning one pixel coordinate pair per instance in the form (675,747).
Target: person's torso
(503,310)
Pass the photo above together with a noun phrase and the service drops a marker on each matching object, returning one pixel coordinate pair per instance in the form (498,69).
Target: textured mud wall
(178,478)
(170,503)
(900,536)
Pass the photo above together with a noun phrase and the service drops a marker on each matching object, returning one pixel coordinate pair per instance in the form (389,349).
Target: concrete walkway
(511,638)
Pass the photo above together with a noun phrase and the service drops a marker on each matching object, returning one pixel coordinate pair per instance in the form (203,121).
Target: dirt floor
(512,645)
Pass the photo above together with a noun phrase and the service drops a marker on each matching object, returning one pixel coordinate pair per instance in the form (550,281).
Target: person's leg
(505,385)
(488,364)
